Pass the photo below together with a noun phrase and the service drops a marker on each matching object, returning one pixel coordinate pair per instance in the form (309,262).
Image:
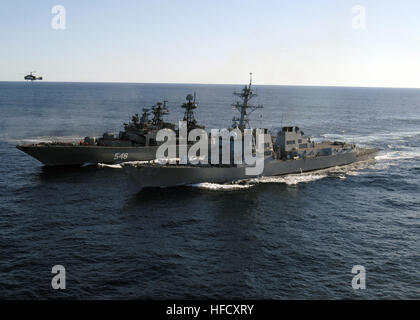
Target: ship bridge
(291,143)
(292,139)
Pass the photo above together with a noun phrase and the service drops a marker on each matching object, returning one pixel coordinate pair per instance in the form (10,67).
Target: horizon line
(215,84)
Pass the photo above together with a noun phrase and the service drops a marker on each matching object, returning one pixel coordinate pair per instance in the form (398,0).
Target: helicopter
(32,77)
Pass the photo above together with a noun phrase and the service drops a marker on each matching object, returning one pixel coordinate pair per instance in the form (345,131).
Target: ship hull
(59,155)
(167,176)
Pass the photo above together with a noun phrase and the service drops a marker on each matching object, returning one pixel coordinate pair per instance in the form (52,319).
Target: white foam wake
(354,169)
(128,164)
(88,164)
(113,166)
(399,155)
(45,139)
(217,186)
(363,139)
(291,179)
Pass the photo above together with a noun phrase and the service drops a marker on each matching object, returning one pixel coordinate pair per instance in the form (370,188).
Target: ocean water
(292,237)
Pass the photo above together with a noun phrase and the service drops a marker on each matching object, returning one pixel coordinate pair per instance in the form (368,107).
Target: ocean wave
(126,164)
(378,137)
(113,166)
(88,164)
(45,139)
(341,173)
(218,186)
(291,179)
(398,155)
(129,164)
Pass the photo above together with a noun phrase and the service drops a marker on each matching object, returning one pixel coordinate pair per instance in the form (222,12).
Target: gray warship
(288,151)
(137,142)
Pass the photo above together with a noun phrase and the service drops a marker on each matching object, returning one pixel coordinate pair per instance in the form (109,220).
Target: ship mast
(189,111)
(245,110)
(158,111)
(144,118)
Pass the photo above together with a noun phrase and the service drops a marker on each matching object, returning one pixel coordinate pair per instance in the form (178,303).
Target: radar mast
(243,107)
(144,117)
(189,107)
(158,111)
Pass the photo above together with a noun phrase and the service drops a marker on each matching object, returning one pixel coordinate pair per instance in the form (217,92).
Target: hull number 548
(120,156)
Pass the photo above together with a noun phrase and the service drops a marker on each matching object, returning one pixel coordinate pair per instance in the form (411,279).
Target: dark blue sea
(293,237)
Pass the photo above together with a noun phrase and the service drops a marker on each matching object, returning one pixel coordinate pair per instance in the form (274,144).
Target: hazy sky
(286,42)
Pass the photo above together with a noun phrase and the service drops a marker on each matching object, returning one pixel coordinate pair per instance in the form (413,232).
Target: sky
(283,42)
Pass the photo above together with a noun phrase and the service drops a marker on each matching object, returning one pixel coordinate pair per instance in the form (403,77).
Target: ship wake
(291,180)
(44,139)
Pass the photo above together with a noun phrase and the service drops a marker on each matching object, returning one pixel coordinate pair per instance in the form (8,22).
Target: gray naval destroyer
(137,142)
(288,151)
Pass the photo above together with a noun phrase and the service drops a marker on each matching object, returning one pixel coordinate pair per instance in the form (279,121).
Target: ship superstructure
(189,116)
(136,142)
(289,151)
(244,108)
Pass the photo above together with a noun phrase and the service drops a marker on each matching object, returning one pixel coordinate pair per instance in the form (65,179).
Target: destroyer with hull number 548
(136,143)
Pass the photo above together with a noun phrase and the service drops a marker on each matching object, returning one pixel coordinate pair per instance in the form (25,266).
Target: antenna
(245,95)
(189,111)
